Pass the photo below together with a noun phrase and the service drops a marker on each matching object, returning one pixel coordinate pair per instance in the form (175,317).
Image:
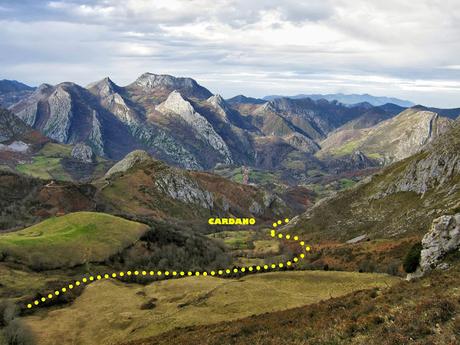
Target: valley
(165,180)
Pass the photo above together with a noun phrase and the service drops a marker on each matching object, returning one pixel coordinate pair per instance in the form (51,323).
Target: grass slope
(127,312)
(70,240)
(424,312)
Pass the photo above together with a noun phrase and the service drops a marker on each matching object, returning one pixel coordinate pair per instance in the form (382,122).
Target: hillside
(420,312)
(392,209)
(142,186)
(70,240)
(391,140)
(155,308)
(12,91)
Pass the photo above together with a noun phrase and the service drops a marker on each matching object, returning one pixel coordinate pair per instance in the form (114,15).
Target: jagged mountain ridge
(349,99)
(400,201)
(181,122)
(391,140)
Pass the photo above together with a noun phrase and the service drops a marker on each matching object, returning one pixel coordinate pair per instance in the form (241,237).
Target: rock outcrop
(176,104)
(83,153)
(135,158)
(442,239)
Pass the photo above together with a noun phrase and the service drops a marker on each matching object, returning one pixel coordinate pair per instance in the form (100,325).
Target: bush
(16,333)
(412,259)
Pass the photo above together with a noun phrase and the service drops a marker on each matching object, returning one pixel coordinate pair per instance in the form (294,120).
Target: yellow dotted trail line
(179,274)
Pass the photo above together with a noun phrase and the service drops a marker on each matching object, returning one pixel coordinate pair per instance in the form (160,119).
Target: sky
(405,49)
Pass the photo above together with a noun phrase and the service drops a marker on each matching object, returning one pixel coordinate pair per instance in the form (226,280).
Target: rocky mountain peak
(131,160)
(103,87)
(187,86)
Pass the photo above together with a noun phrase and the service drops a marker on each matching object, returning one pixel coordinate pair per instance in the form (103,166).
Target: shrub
(412,259)
(16,333)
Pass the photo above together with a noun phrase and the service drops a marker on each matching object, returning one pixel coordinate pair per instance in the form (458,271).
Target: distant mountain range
(349,99)
(184,124)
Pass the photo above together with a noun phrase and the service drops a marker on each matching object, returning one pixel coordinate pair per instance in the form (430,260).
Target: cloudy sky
(407,49)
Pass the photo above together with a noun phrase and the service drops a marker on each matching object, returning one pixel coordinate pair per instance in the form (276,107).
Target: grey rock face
(57,127)
(95,137)
(302,143)
(83,153)
(178,105)
(167,82)
(442,239)
(182,188)
(132,159)
(433,171)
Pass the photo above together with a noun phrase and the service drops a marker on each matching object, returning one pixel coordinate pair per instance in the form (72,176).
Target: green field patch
(70,240)
(45,168)
(235,240)
(56,150)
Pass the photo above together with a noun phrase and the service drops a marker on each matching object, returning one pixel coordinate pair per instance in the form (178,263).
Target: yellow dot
(273,266)
(64,289)
(174,273)
(280,222)
(197,273)
(235,270)
(36,302)
(258,268)
(122,274)
(56,293)
(286,220)
(77,283)
(302,255)
(129,273)
(289,263)
(182,273)
(167,273)
(213,273)
(250,269)
(275,225)
(70,286)
(136,273)
(265,267)
(106,276)
(302,243)
(243,269)
(84,280)
(227,271)
(280,235)
(29,306)
(144,273)
(114,275)
(205,274)
(288,237)
(99,277)
(159,273)
(296,238)
(307,248)
(189,273)
(43,299)
(91,278)
(221,272)
(50,296)
(272,233)
(280,265)
(295,259)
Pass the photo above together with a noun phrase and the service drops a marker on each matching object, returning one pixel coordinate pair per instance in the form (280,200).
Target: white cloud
(239,46)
